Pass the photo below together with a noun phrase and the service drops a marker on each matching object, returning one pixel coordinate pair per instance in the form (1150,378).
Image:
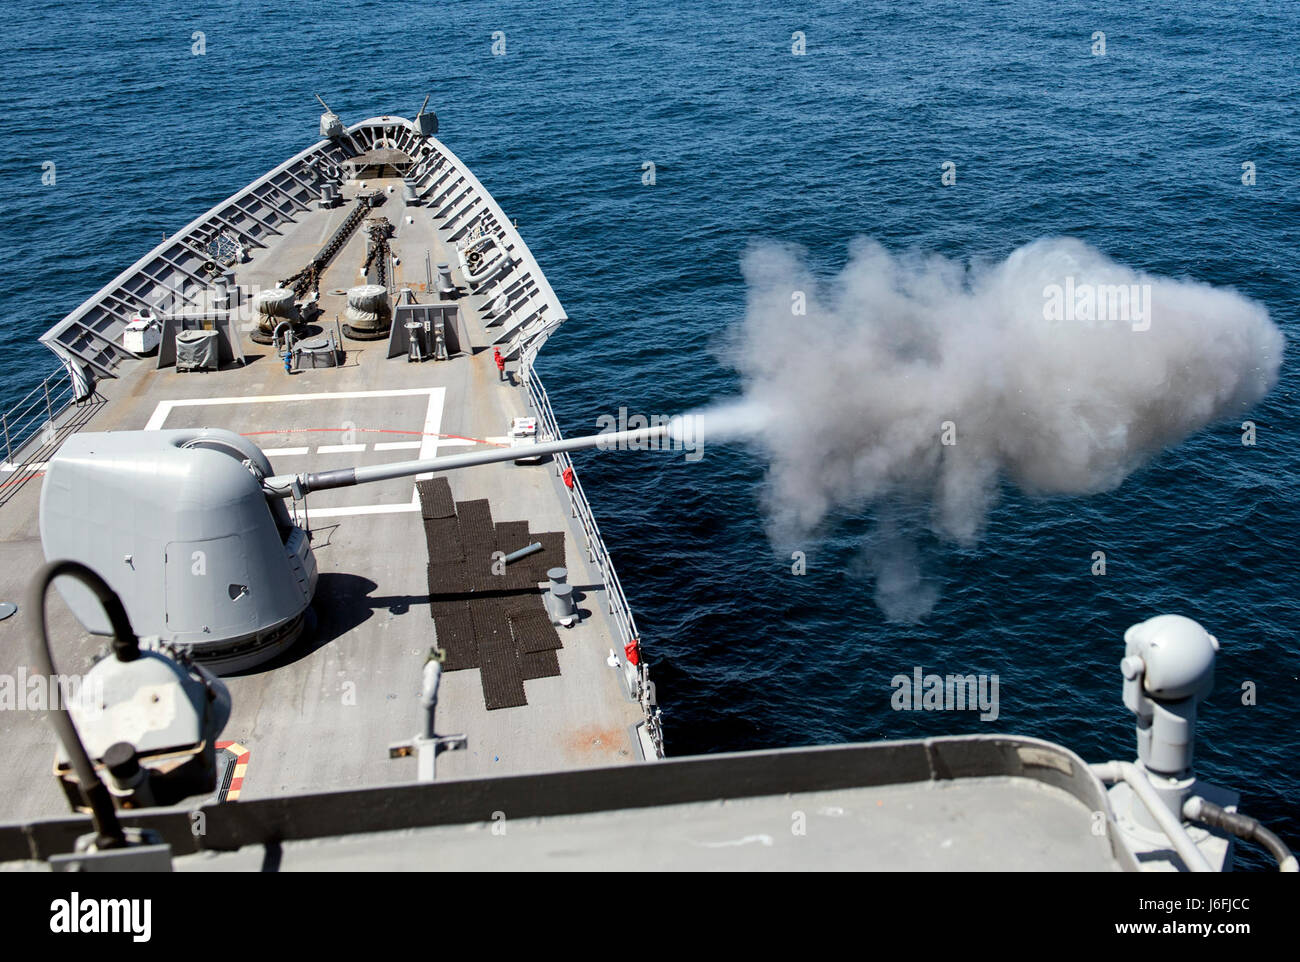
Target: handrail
(528,339)
(138,282)
(1169,822)
(620,612)
(29,416)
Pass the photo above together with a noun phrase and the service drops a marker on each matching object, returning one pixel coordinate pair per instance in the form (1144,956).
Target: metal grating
(512,535)
(442,538)
(494,622)
(435,498)
(478,538)
(536,565)
(532,628)
(490,623)
(455,634)
(539,664)
(475,519)
(499,667)
(446,581)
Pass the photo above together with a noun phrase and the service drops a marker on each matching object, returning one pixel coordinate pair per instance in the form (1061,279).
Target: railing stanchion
(23,420)
(619,611)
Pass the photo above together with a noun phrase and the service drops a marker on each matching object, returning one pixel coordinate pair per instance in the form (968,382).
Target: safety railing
(619,611)
(454,186)
(28,418)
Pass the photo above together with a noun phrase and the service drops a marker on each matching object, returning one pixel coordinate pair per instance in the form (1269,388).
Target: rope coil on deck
(367,304)
(275,303)
(273,307)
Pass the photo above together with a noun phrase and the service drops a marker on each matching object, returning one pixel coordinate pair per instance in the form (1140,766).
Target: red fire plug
(501,362)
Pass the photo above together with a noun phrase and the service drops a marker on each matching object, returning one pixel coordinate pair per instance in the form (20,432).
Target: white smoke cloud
(848,401)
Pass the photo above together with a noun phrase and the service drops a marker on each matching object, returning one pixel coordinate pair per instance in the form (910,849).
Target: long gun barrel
(295,485)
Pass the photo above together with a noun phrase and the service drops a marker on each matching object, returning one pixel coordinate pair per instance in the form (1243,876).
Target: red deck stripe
(430,434)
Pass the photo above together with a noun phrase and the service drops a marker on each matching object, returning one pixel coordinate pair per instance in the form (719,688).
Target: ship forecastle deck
(322,715)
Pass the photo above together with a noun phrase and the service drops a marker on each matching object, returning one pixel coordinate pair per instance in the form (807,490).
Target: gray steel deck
(981,802)
(977,825)
(323,717)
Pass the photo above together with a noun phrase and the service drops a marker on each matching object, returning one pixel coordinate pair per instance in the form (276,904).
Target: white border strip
(279,451)
(428,445)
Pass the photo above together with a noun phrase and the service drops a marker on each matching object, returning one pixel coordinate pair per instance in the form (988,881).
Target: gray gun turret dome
(330,125)
(197,552)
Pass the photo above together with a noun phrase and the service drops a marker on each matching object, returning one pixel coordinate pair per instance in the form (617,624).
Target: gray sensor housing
(1168,667)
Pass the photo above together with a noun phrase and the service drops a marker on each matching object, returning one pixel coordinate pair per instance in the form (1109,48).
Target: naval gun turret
(331,127)
(190,529)
(426,121)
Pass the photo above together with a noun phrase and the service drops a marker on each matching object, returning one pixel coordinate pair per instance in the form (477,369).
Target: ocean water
(1137,152)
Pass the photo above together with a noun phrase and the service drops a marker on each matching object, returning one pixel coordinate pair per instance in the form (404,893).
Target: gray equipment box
(197,351)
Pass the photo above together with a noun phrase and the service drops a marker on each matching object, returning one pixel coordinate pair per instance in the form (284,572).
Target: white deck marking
(364,509)
(398,445)
(270,451)
(165,407)
(428,445)
(30,466)
(159,415)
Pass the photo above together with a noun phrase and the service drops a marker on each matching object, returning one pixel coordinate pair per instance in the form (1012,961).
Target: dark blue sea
(1138,152)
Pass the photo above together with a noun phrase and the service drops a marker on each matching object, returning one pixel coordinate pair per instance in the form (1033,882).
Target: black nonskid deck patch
(435,498)
(489,615)
(455,631)
(532,628)
(539,664)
